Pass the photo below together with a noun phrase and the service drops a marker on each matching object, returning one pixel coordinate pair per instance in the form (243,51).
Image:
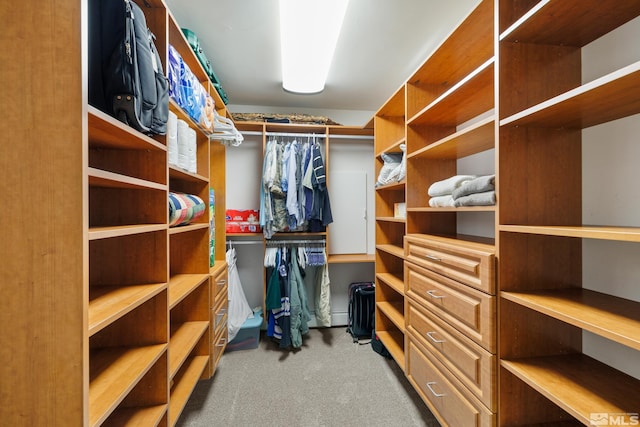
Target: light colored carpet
(330,381)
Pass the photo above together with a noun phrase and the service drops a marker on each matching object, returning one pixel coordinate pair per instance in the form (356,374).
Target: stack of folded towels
(463,190)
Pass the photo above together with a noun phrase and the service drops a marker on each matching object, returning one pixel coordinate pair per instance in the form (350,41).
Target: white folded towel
(480,184)
(441,201)
(446,186)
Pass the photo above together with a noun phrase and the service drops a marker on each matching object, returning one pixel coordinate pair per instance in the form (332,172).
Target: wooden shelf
(188,228)
(393,147)
(608,98)
(101,178)
(454,209)
(555,22)
(394,342)
(182,285)
(177,173)
(578,384)
(394,310)
(468,46)
(109,303)
(113,373)
(184,338)
(394,250)
(613,318)
(394,107)
(108,132)
(391,219)
(137,416)
(474,139)
(393,186)
(624,234)
(185,382)
(467,99)
(393,281)
(351,258)
(97,233)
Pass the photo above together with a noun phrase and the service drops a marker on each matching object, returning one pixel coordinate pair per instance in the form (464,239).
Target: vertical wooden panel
(43,358)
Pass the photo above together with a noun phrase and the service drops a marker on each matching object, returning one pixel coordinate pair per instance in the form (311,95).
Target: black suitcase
(126,77)
(362,303)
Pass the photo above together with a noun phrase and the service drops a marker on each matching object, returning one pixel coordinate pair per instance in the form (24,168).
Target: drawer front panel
(468,310)
(471,364)
(219,317)
(468,263)
(219,288)
(446,397)
(217,347)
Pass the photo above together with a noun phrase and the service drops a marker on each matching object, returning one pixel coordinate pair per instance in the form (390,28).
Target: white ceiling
(381,44)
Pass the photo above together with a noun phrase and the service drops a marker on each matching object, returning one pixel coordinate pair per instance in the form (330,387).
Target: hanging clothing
(300,315)
(293,194)
(321,212)
(323,296)
(287,301)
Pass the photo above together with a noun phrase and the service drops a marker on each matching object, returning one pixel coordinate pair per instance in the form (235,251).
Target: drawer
(468,310)
(219,317)
(474,366)
(448,399)
(470,263)
(217,347)
(219,287)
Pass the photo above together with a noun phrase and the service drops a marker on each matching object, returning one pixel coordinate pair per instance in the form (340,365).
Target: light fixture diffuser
(309,31)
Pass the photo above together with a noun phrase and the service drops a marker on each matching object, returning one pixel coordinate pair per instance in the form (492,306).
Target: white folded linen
(446,186)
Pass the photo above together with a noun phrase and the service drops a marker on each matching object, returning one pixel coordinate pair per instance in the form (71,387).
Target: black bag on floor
(362,303)
(126,77)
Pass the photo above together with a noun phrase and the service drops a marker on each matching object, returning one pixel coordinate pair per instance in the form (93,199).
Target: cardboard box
(400,210)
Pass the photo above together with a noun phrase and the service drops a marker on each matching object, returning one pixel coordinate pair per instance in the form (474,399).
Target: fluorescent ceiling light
(309,31)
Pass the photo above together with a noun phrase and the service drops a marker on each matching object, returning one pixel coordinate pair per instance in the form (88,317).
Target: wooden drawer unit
(470,263)
(217,347)
(474,366)
(219,286)
(219,316)
(468,310)
(446,396)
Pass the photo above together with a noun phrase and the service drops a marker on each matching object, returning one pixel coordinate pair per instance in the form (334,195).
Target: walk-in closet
(214,221)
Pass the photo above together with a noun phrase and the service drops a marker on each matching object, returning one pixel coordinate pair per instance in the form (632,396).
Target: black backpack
(362,304)
(126,77)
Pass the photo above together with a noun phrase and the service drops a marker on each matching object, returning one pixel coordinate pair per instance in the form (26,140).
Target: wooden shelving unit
(545,310)
(389,125)
(443,113)
(108,304)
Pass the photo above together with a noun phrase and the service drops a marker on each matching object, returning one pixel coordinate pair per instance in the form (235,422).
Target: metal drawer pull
(222,283)
(222,342)
(435,340)
(432,294)
(433,257)
(429,384)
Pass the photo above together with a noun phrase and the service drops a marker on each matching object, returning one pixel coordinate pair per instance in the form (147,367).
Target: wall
(610,193)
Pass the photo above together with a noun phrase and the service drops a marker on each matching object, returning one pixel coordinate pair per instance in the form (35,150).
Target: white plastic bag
(239,309)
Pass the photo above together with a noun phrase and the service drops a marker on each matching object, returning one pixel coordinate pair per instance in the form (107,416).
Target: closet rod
(295,242)
(243,242)
(317,135)
(253,132)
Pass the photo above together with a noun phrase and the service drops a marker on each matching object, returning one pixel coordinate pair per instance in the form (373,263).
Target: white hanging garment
(239,309)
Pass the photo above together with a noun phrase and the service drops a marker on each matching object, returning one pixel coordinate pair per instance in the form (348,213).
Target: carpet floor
(330,381)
